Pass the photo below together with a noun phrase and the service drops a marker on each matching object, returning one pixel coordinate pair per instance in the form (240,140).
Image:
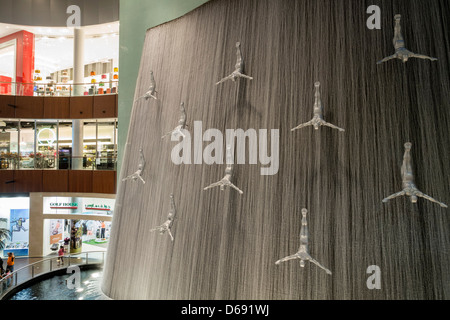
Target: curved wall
(226,244)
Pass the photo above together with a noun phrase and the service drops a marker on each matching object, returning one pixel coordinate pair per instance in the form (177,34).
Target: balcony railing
(13,162)
(31,271)
(59,89)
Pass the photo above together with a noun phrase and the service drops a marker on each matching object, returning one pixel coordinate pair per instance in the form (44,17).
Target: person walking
(10,262)
(61,255)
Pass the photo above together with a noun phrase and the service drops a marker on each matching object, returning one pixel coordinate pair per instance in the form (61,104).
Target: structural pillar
(78,90)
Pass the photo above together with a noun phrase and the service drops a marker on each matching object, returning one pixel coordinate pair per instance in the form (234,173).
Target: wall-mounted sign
(100,207)
(63,205)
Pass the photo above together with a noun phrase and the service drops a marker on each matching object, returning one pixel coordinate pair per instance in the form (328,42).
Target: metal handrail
(5,287)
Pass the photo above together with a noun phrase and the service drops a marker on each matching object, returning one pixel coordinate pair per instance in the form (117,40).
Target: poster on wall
(56,230)
(76,233)
(19,226)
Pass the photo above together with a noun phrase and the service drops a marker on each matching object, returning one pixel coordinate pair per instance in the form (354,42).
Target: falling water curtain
(226,244)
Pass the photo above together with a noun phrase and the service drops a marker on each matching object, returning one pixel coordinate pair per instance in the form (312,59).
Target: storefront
(40,223)
(47,144)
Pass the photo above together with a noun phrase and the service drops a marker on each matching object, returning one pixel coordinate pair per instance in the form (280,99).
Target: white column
(78,78)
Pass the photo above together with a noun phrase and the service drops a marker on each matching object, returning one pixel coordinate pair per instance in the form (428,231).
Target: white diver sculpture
(181,124)
(226,181)
(303,252)
(151,92)
(239,67)
(138,173)
(399,44)
(317,120)
(409,188)
(166,226)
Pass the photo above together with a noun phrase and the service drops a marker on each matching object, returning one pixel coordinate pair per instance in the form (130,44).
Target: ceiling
(54,46)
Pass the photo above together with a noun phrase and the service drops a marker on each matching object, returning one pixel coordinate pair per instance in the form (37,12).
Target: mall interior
(74,128)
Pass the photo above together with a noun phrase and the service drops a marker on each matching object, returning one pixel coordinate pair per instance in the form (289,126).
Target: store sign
(63,205)
(101,207)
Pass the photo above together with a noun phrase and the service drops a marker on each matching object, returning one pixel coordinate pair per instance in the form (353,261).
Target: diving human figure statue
(303,251)
(399,44)
(239,67)
(226,181)
(151,92)
(181,124)
(317,119)
(166,226)
(138,173)
(409,188)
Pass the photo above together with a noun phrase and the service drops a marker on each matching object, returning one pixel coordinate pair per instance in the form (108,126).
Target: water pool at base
(55,288)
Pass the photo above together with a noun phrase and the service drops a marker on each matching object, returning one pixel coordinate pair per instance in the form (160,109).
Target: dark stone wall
(226,244)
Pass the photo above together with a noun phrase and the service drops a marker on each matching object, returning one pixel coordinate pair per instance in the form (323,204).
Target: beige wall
(37,216)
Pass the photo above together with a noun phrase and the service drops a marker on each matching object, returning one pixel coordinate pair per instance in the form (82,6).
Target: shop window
(64,144)
(46,138)
(106,145)
(9,145)
(26,144)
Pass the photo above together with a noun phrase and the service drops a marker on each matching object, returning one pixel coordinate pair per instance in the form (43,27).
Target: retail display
(239,68)
(409,188)
(138,173)
(399,44)
(181,124)
(303,251)
(167,225)
(226,181)
(317,120)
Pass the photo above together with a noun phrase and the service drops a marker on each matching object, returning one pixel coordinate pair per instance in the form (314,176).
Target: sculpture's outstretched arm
(167,134)
(139,176)
(236,188)
(319,265)
(224,79)
(388,58)
(216,184)
(158,228)
(331,125)
(395,195)
(309,123)
(243,75)
(423,195)
(292,257)
(422,56)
